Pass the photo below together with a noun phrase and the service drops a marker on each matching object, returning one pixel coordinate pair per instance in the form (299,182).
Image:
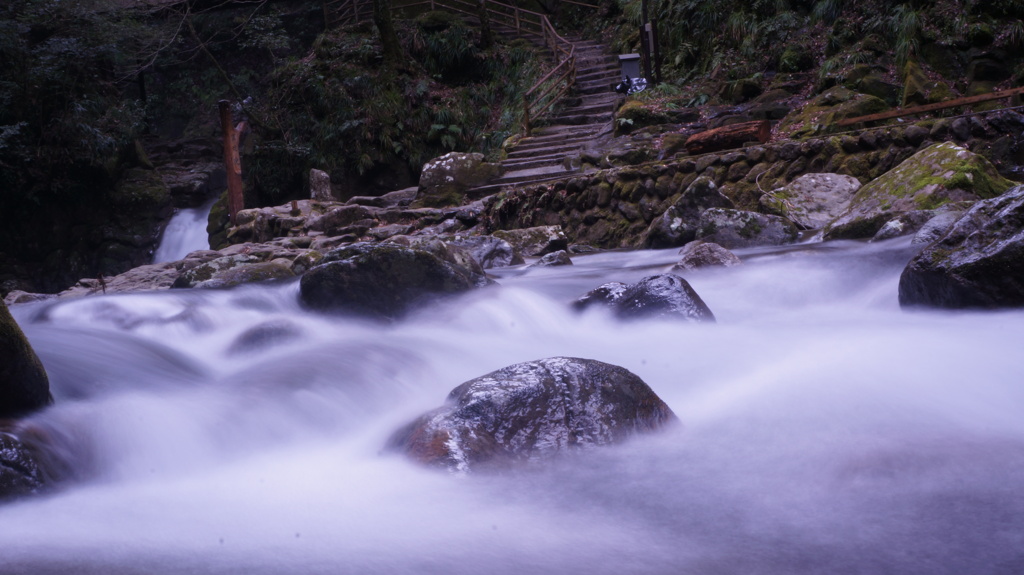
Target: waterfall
(185,233)
(823,430)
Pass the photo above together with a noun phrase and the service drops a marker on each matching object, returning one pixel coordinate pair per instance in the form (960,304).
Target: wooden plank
(932,107)
(232,162)
(728,137)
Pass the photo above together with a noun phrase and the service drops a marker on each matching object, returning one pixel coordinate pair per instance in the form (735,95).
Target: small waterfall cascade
(185,233)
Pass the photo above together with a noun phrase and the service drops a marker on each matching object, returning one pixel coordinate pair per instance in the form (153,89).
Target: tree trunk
(388,36)
(726,137)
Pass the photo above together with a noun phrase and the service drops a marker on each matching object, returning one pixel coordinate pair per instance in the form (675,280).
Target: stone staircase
(551,152)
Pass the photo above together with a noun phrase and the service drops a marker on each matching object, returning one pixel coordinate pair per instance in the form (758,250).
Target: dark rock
(20,474)
(704,254)
(904,224)
(444,180)
(937,227)
(605,294)
(978,263)
(24,386)
(664,295)
(738,229)
(533,410)
(381,281)
(916,135)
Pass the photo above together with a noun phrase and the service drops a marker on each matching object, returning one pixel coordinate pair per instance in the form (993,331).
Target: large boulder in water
(978,263)
(936,176)
(704,254)
(812,200)
(532,410)
(664,295)
(739,229)
(382,281)
(24,386)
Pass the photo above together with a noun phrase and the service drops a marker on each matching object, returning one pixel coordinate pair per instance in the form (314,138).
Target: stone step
(549,146)
(535,162)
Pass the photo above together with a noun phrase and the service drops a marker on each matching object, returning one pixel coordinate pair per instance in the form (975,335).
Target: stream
(823,430)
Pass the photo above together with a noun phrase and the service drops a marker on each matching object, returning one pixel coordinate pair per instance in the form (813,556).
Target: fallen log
(726,137)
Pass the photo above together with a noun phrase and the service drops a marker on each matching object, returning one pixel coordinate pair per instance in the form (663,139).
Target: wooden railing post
(232,162)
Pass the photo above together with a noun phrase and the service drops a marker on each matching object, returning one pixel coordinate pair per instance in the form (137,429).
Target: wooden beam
(232,161)
(932,107)
(728,137)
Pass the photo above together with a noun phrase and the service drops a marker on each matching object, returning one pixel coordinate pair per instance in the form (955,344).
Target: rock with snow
(533,410)
(664,295)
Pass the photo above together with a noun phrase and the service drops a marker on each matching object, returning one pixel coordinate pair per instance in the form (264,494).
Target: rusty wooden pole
(232,162)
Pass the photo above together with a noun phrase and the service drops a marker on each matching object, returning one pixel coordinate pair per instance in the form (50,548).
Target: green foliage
(62,114)
(357,119)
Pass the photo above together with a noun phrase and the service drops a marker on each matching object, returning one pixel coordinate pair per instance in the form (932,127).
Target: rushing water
(185,233)
(824,431)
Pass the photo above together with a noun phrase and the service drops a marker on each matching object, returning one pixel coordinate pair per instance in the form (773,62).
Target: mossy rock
(938,175)
(24,386)
(919,89)
(820,114)
(636,114)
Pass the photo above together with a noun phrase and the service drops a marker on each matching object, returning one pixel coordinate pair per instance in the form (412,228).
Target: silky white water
(185,233)
(823,430)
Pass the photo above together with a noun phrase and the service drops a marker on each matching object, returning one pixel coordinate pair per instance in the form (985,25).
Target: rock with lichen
(934,177)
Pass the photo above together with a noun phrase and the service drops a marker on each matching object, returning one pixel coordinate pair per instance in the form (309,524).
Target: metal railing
(540,98)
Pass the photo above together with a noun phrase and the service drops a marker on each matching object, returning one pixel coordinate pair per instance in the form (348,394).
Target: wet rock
(232,270)
(444,180)
(812,200)
(24,386)
(658,296)
(678,224)
(381,281)
(605,294)
(19,471)
(903,225)
(446,251)
(978,263)
(532,242)
(704,254)
(937,227)
(531,411)
(559,258)
(938,175)
(738,229)
(489,251)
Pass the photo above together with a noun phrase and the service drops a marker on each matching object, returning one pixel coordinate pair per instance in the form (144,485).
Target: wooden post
(232,162)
